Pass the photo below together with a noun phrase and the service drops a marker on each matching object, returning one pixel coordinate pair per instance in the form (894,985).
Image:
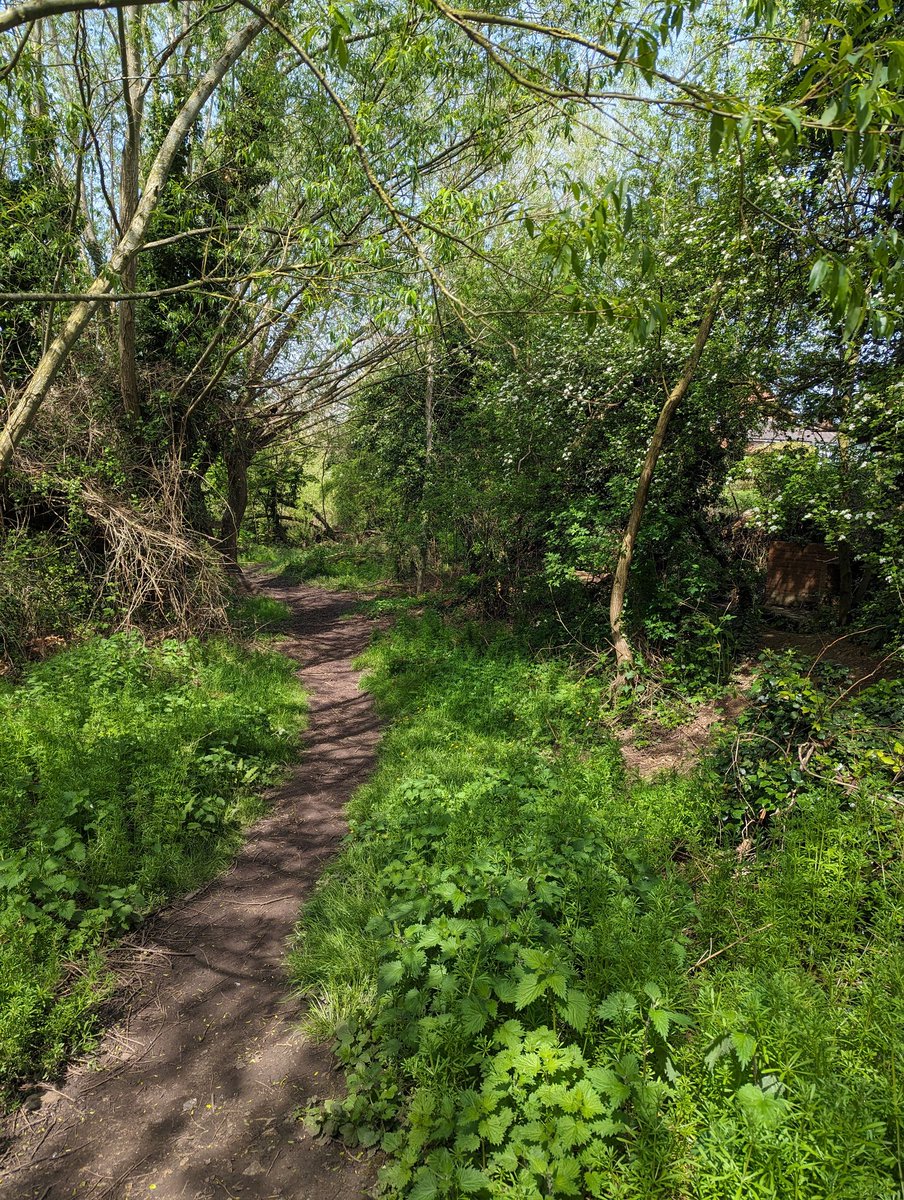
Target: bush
(808,731)
(43,592)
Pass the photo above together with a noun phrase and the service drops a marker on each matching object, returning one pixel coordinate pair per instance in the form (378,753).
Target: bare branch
(37,10)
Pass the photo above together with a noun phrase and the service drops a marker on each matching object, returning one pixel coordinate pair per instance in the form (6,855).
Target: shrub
(43,592)
(807,731)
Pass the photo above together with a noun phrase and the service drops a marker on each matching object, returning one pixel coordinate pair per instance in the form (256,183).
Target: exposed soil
(192,1094)
(865,665)
(676,749)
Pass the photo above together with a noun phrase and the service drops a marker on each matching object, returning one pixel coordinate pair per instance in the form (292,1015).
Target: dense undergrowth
(547,979)
(126,773)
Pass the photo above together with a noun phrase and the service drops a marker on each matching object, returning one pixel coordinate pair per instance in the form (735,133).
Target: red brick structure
(800,574)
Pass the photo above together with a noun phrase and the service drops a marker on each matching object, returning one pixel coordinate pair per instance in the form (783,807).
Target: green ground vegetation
(127,771)
(342,565)
(546,978)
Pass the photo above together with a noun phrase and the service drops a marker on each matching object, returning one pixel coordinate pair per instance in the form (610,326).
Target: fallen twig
(715,954)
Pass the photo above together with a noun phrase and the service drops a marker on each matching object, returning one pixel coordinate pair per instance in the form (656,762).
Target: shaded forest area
(570,340)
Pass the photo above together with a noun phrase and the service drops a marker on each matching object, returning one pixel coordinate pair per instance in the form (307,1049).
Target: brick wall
(800,574)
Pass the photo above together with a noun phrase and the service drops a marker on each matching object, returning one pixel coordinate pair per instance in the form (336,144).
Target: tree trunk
(845,582)
(275,528)
(37,10)
(55,356)
(620,643)
(129,24)
(746,595)
(423,540)
(236,460)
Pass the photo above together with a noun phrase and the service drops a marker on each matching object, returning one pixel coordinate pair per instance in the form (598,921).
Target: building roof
(772,436)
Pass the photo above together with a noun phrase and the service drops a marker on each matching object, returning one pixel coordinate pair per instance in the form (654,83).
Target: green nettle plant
(480,1011)
(544,981)
(126,774)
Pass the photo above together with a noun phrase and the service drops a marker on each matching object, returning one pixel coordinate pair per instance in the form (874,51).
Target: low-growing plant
(346,565)
(126,773)
(808,730)
(44,591)
(543,980)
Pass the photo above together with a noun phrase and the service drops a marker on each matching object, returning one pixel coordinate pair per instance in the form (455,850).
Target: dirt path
(193,1094)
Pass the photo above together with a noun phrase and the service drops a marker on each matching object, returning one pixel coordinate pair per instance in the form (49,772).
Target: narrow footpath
(192,1094)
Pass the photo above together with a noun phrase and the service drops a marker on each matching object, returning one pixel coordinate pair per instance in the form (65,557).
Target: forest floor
(193,1093)
(678,747)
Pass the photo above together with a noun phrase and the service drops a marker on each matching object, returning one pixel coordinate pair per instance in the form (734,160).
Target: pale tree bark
(130,242)
(129,25)
(620,643)
(36,10)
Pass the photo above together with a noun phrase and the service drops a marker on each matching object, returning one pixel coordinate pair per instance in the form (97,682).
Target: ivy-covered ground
(546,979)
(127,771)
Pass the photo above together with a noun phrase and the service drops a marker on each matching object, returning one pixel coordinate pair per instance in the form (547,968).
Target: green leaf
(718,1050)
(744,1047)
(494,1126)
(617,1005)
(537,960)
(716,133)
(471,1180)
(853,318)
(608,1084)
(529,989)
(819,273)
(759,1108)
(659,1019)
(558,983)
(472,1015)
(425,1186)
(829,113)
(793,117)
(338,46)
(391,972)
(576,1009)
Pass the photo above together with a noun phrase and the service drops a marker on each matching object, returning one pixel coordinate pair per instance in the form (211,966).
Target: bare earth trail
(192,1095)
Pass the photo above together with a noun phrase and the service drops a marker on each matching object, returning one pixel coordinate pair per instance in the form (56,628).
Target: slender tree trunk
(56,354)
(845,582)
(723,558)
(236,460)
(129,23)
(423,540)
(620,642)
